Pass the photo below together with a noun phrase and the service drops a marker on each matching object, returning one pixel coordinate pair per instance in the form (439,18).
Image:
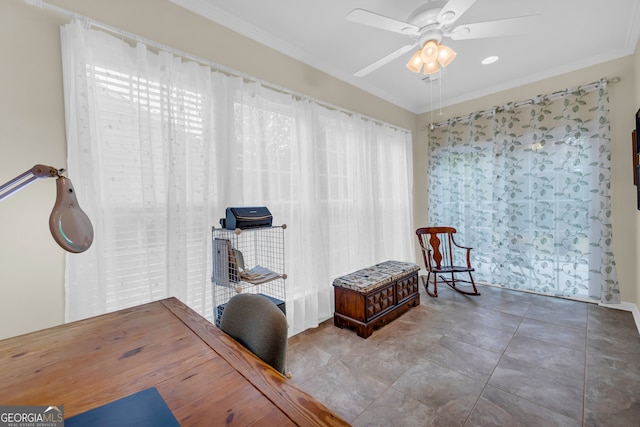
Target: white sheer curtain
(158,147)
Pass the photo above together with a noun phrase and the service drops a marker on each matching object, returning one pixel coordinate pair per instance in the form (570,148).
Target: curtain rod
(552,96)
(202,61)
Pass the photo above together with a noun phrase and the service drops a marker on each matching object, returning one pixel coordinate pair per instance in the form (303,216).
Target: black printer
(246,217)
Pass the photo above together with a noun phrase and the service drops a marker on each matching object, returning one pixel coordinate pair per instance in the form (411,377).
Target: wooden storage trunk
(373,297)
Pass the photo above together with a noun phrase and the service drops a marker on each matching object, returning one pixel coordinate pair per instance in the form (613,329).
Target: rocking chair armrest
(461,247)
(468,249)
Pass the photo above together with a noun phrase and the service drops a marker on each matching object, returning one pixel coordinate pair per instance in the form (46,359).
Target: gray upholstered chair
(259,325)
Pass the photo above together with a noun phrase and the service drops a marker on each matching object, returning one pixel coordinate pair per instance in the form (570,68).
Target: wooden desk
(205,377)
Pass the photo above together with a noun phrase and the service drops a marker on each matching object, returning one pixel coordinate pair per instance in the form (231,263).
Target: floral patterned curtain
(527,186)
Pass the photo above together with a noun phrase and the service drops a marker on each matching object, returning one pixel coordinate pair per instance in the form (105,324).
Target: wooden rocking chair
(438,248)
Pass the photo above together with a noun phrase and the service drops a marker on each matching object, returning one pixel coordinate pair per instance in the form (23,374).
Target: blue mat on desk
(142,409)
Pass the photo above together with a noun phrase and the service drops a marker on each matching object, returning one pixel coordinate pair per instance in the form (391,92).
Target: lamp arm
(22,180)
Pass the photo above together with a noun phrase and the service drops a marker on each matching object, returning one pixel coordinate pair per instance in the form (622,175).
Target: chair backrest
(436,245)
(259,325)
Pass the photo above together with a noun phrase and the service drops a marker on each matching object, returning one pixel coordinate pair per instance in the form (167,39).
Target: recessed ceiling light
(489,60)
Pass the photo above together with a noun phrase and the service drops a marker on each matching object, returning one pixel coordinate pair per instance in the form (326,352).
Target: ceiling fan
(428,25)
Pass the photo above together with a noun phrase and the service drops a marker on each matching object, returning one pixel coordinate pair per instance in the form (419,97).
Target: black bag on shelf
(247,218)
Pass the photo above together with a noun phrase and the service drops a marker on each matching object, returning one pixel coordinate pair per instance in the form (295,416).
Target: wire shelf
(247,260)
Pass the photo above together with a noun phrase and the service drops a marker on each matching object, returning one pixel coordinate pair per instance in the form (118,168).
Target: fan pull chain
(440,87)
(431,100)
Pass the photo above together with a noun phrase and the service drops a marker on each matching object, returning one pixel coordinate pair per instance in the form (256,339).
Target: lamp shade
(415,63)
(446,55)
(69,225)
(429,52)
(431,67)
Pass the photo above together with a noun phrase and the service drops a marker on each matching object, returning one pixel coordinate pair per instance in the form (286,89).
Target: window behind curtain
(528,188)
(159,148)
(133,113)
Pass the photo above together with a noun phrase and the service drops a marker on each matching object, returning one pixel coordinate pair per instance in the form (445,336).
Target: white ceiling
(573,34)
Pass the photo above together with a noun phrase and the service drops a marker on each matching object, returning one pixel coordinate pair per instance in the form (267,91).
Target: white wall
(32,123)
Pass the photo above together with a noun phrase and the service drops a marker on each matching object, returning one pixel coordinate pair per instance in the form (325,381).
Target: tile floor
(503,358)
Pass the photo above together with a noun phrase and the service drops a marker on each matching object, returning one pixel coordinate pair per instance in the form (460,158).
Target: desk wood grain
(206,378)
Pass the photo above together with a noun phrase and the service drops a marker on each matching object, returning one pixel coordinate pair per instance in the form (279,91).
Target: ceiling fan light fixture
(429,52)
(433,55)
(446,55)
(431,67)
(415,63)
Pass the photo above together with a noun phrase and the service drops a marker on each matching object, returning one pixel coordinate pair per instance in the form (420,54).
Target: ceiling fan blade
(380,62)
(501,27)
(372,19)
(453,10)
